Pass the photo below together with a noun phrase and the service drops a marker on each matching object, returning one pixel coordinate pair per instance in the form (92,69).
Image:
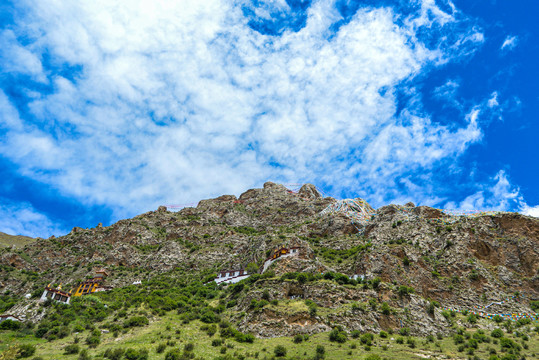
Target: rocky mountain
(357,267)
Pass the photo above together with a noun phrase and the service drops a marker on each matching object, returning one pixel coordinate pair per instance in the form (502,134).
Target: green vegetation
(182,314)
(247,230)
(160,340)
(14,240)
(335,254)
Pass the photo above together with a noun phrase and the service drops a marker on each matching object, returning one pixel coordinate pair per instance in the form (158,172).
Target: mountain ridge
(408,257)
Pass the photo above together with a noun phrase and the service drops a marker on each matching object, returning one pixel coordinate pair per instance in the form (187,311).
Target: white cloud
(531,210)
(509,43)
(497,195)
(447,93)
(493,101)
(23,219)
(176,101)
(16,58)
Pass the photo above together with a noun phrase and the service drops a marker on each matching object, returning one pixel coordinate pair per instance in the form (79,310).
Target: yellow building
(91,285)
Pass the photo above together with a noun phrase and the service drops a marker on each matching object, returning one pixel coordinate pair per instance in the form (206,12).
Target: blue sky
(111,108)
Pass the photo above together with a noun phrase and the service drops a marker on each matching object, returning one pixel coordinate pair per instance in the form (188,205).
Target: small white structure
(28,296)
(231,276)
(138,282)
(357,276)
(9,317)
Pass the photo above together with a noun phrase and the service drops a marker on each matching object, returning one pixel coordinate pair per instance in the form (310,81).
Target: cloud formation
(531,211)
(509,43)
(136,104)
(23,219)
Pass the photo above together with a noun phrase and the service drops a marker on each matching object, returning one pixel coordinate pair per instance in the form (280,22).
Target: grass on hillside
(169,329)
(18,240)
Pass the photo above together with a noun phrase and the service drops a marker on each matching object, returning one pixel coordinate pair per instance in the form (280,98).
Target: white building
(231,276)
(55,294)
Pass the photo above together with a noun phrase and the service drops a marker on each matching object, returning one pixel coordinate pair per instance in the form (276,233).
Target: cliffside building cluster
(234,276)
(84,288)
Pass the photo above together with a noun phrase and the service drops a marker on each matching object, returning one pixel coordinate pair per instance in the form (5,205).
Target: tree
(279,351)
(26,350)
(337,336)
(386,310)
(252,268)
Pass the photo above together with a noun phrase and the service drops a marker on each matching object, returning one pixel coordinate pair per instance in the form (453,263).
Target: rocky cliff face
(458,261)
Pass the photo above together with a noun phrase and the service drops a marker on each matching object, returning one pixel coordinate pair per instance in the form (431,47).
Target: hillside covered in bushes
(398,282)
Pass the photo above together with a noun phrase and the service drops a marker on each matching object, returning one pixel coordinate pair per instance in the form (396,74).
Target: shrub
(131,354)
(472,318)
(446,314)
(83,355)
(405,290)
(522,322)
(212,329)
(458,339)
(161,348)
(355,333)
(376,282)
(174,354)
(383,334)
(41,331)
(115,354)
(474,275)
(431,307)
(298,338)
(472,343)
(245,338)
(10,325)
(189,347)
(209,317)
(216,342)
(320,349)
(373,357)
(367,338)
(136,321)
(386,310)
(506,343)
(279,351)
(26,350)
(337,335)
(93,340)
(496,333)
(404,331)
(71,349)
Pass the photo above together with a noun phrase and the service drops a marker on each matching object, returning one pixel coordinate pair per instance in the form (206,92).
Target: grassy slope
(165,328)
(17,240)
